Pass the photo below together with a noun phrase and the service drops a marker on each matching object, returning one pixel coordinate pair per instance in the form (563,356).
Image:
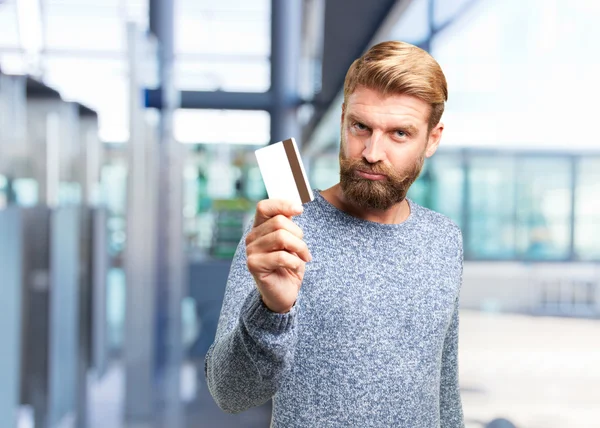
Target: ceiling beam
(349,28)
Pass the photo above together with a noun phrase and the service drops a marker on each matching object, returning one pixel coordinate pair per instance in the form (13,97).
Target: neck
(395,215)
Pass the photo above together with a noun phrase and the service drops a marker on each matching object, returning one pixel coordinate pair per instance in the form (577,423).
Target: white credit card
(283,172)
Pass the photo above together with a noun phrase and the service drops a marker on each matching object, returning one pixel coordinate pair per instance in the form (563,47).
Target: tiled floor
(105,399)
(106,411)
(536,372)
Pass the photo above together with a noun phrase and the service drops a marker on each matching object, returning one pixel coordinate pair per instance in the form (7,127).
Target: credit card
(283,172)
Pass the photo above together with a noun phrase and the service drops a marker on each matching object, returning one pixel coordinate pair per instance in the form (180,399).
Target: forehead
(369,104)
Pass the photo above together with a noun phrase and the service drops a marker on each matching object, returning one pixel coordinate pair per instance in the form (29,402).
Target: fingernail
(298,208)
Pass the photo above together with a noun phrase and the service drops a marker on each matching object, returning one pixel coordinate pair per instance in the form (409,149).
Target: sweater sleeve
(253,347)
(451,412)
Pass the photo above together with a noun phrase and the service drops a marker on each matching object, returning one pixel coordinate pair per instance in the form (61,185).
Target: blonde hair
(400,68)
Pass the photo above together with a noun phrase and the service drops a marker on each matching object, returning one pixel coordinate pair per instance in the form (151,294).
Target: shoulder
(438,226)
(312,217)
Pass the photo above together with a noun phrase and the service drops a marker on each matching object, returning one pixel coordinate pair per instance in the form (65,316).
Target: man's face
(384,142)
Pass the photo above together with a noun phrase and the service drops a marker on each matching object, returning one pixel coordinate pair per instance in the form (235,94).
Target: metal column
(139,406)
(11,266)
(286,51)
(170,259)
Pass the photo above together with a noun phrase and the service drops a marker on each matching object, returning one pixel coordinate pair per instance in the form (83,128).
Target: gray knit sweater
(372,340)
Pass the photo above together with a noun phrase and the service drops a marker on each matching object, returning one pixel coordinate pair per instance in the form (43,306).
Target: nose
(374,148)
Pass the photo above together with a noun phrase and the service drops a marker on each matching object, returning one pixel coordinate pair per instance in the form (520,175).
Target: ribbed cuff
(256,314)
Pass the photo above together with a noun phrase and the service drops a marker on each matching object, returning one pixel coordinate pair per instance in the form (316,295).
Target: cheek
(403,159)
(352,145)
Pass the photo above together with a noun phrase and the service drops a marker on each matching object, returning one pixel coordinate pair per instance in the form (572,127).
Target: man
(345,311)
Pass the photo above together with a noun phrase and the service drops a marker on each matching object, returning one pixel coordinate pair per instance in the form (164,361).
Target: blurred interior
(127,173)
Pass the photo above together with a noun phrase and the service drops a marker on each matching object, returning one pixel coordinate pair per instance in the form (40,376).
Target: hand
(276,254)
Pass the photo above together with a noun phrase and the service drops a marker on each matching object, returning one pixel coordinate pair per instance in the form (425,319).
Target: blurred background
(127,173)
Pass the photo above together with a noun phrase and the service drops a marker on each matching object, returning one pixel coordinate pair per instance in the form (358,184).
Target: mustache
(349,165)
(371,168)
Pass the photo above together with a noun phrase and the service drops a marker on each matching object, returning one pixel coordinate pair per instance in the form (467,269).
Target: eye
(360,126)
(400,133)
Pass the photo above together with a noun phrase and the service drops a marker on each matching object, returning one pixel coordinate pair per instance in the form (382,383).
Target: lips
(371,175)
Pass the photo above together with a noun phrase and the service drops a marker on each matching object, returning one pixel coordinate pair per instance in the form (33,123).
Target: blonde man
(345,310)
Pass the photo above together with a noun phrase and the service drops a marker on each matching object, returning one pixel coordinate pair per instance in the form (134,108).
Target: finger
(273,224)
(280,240)
(268,262)
(269,208)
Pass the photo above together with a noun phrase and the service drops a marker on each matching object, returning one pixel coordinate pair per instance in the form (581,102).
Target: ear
(343,113)
(434,139)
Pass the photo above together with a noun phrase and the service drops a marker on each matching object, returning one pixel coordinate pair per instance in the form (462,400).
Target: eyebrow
(409,128)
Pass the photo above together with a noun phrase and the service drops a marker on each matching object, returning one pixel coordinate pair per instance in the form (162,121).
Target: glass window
(72,77)
(114,187)
(116,294)
(587,210)
(223,45)
(114,197)
(544,208)
(226,27)
(13,63)
(413,25)
(447,185)
(9,36)
(93,25)
(225,73)
(26,191)
(222,126)
(446,10)
(480,60)
(324,171)
(3,192)
(491,227)
(223,183)
(420,192)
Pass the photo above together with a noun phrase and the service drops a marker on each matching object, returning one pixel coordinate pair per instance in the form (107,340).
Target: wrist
(275,308)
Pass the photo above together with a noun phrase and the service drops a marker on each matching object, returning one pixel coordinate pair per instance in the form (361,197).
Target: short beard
(376,194)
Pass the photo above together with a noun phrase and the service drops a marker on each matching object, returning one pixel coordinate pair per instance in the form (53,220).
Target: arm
(451,412)
(253,347)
